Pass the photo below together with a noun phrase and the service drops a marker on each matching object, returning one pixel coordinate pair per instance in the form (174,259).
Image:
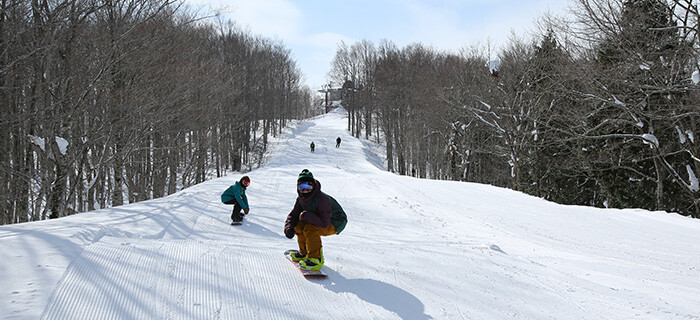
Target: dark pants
(236,215)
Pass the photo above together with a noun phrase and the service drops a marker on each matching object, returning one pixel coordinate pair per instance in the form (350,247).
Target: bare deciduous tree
(109,102)
(607,117)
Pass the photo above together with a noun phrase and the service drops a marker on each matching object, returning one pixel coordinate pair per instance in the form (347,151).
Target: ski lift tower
(326,89)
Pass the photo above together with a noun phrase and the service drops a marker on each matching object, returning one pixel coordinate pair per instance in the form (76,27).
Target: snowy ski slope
(412,249)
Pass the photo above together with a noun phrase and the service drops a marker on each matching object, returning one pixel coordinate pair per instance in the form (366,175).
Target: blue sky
(312,29)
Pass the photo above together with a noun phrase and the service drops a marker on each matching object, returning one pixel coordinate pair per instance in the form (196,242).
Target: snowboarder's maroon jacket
(321,210)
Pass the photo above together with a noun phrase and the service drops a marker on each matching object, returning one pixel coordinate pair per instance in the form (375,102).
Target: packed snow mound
(412,249)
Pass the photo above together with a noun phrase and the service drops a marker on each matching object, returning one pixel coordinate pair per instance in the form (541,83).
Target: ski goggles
(246,183)
(305,187)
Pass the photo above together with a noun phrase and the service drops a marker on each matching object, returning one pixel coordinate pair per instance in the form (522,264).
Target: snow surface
(412,249)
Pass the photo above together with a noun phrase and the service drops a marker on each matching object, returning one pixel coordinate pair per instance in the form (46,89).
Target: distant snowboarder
(315,214)
(235,195)
(313,146)
(337,142)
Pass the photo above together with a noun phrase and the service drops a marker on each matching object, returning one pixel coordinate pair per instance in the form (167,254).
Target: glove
(246,211)
(289,233)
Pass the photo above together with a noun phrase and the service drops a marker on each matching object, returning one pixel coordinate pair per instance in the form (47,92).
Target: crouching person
(315,214)
(235,195)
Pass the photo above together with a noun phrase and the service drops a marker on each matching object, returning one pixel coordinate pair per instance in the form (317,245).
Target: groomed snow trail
(413,249)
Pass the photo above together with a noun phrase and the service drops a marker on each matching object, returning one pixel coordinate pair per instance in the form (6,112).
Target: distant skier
(235,195)
(315,214)
(313,146)
(337,142)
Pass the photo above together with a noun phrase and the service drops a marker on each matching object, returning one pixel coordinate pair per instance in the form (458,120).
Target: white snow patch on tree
(651,140)
(618,102)
(62,145)
(493,65)
(696,77)
(37,141)
(681,135)
(694,183)
(486,104)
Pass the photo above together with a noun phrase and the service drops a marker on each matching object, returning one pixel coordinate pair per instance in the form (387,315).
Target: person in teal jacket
(235,195)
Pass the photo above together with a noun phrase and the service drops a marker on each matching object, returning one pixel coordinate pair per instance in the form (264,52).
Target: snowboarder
(315,214)
(337,142)
(313,146)
(235,195)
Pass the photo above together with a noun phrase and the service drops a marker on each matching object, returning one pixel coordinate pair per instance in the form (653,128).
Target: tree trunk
(118,181)
(658,166)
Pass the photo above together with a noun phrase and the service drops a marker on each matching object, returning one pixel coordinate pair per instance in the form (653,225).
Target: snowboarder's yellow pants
(309,238)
